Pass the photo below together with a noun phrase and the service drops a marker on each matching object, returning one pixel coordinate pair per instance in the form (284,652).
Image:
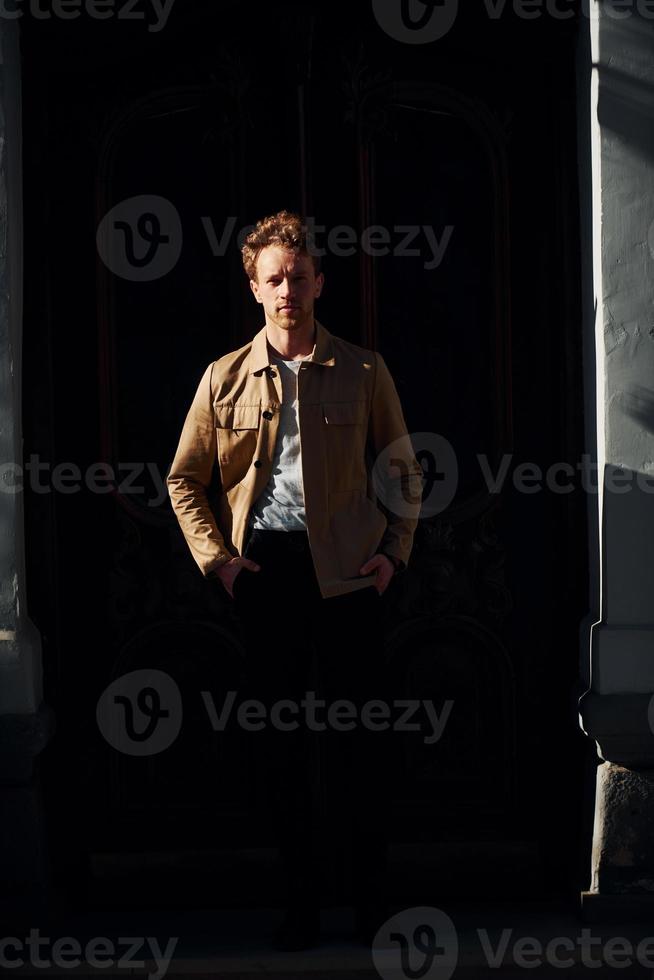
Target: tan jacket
(349,412)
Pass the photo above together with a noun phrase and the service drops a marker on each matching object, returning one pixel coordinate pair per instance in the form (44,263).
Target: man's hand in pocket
(230,569)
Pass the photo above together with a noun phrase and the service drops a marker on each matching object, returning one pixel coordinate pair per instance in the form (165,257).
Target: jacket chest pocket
(344,413)
(237,430)
(345,429)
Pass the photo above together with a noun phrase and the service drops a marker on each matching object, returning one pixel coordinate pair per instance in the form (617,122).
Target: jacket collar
(322,353)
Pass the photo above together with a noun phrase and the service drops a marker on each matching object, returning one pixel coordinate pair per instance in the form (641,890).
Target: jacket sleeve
(397,476)
(190,476)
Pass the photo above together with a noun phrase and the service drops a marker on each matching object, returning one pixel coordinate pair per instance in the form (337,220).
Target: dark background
(235,111)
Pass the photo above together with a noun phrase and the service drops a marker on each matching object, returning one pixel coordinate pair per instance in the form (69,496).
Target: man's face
(286,286)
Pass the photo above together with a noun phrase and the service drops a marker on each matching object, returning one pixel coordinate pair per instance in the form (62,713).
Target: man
(319,499)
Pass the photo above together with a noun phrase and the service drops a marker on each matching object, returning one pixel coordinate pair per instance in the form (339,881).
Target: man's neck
(291,344)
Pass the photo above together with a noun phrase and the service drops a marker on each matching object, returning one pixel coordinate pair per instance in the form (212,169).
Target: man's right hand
(228,571)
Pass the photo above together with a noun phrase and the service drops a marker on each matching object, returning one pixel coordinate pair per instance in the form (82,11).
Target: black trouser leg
(276,609)
(353,668)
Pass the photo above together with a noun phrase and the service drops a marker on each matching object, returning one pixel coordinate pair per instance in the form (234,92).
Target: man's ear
(320,282)
(254,286)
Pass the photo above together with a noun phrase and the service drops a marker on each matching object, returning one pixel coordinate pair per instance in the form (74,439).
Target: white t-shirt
(281,504)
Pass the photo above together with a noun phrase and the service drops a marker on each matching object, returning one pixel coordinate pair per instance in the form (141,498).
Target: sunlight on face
(286,286)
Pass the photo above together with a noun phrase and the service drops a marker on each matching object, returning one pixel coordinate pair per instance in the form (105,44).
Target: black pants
(325,790)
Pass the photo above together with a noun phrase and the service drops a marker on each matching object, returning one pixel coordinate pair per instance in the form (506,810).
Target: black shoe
(369,917)
(300,929)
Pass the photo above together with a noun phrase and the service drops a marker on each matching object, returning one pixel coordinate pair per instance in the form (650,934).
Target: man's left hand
(383,568)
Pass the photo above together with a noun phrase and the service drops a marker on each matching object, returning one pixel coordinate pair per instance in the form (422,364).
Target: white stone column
(617,193)
(25,723)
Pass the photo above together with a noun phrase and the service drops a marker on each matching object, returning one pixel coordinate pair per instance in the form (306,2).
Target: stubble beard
(295,322)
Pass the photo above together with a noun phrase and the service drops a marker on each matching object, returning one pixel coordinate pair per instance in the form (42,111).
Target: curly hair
(284,228)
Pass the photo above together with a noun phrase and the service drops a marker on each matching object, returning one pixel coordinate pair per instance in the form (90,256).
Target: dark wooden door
(441,180)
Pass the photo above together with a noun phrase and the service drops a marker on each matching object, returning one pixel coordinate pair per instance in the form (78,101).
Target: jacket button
(267,415)
(258,463)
